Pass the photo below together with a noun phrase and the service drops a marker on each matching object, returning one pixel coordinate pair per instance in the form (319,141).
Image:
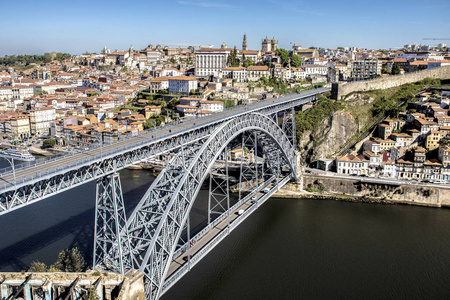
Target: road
(207,237)
(388,181)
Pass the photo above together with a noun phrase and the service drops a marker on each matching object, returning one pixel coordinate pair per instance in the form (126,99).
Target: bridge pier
(110,224)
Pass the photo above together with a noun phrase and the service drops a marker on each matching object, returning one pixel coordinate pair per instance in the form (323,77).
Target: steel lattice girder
(155,225)
(110,224)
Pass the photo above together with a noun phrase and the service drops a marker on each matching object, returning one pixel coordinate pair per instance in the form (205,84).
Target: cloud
(206,4)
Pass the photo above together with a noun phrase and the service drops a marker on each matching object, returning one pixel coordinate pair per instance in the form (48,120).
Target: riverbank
(353,190)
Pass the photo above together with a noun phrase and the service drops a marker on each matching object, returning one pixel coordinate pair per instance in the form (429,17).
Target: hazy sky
(35,27)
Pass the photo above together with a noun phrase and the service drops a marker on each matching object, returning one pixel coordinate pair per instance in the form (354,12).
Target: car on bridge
(187,257)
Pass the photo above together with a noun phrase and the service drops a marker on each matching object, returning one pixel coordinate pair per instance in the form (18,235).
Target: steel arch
(156,224)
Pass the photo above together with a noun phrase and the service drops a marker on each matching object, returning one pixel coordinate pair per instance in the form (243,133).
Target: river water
(287,249)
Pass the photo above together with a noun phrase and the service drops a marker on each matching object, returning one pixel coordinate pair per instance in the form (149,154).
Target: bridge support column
(110,225)
(288,125)
(219,194)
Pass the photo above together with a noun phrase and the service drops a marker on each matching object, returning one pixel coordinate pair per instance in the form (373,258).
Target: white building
(40,120)
(158,84)
(315,69)
(390,169)
(254,73)
(321,61)
(238,74)
(209,61)
(298,73)
(190,101)
(213,106)
(171,72)
(352,164)
(182,84)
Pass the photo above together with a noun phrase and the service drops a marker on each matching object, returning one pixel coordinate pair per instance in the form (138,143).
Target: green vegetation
(311,119)
(385,71)
(68,261)
(395,69)
(26,60)
(233,61)
(92,294)
(340,48)
(284,56)
(228,103)
(248,62)
(445,141)
(154,121)
(392,104)
(48,143)
(296,61)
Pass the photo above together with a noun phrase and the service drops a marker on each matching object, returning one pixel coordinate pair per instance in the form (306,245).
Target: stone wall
(417,194)
(340,90)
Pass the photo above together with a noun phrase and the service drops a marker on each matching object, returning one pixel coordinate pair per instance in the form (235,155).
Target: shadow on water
(12,256)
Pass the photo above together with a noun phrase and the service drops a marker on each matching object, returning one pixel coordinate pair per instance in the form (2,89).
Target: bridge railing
(224,215)
(220,236)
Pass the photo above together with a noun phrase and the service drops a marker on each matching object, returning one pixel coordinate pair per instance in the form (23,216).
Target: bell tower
(244,43)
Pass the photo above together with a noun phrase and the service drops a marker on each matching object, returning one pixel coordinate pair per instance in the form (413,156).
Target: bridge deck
(209,239)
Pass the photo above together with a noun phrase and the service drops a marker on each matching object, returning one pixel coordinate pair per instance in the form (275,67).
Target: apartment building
(182,84)
(365,69)
(40,120)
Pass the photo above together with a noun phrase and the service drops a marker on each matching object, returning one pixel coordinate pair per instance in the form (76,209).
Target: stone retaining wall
(340,90)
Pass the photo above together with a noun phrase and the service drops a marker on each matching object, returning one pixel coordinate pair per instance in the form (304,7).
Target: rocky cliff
(332,133)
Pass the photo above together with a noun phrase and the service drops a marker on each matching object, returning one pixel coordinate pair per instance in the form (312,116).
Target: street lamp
(100,140)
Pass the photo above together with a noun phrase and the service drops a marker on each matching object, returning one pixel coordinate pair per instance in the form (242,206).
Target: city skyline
(63,27)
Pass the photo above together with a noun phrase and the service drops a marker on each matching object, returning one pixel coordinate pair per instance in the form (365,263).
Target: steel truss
(155,226)
(219,189)
(59,177)
(110,225)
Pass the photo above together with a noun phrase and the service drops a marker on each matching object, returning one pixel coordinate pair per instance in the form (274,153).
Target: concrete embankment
(356,191)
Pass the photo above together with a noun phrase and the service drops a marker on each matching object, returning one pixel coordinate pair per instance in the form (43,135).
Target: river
(287,249)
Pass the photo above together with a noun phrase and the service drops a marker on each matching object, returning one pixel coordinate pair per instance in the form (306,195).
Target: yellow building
(20,127)
(433,138)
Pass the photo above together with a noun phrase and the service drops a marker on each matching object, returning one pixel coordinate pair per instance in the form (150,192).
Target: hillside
(332,126)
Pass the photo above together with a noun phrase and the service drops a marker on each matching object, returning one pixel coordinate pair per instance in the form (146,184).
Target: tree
(37,266)
(92,294)
(232,60)
(47,57)
(385,71)
(340,48)
(296,61)
(48,143)
(70,261)
(284,56)
(395,69)
(248,62)
(445,141)
(312,47)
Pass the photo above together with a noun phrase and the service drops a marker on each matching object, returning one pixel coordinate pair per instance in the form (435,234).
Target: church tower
(244,43)
(266,46)
(131,51)
(274,44)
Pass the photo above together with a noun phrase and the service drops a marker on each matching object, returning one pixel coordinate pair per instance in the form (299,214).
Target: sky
(39,26)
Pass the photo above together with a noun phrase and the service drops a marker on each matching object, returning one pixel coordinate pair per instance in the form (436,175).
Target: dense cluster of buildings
(417,146)
(82,99)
